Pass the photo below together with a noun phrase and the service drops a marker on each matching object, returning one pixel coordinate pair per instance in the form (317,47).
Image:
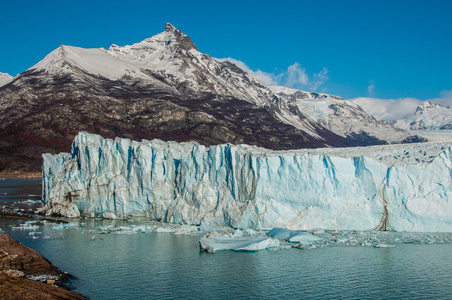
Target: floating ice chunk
(293,236)
(105,229)
(109,215)
(27,226)
(62,226)
(29,201)
(324,235)
(33,201)
(213,242)
(142,228)
(186,229)
(164,229)
(250,231)
(384,246)
(126,232)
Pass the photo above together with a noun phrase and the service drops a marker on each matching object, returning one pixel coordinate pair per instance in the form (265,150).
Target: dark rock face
(183,40)
(47,117)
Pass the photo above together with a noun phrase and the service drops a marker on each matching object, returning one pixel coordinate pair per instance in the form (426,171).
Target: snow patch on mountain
(5,78)
(428,116)
(97,62)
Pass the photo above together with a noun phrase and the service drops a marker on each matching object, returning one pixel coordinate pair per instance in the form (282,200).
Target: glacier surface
(394,187)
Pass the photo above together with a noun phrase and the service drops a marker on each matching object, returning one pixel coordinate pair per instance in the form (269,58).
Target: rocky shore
(19,174)
(26,274)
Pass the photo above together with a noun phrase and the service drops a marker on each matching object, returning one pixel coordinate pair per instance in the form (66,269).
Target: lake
(159,265)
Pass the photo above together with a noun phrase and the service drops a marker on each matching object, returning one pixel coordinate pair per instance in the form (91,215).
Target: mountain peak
(171,37)
(170,27)
(427,105)
(5,78)
(178,37)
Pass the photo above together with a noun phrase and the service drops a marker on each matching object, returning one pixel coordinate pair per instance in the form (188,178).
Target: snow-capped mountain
(343,117)
(428,116)
(5,78)
(162,87)
(169,59)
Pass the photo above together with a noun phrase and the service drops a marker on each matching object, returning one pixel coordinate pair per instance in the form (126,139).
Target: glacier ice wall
(245,186)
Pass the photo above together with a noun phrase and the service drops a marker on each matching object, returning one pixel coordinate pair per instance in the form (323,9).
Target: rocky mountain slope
(162,87)
(428,116)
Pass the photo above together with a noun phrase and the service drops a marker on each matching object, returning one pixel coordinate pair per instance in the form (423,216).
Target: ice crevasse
(247,187)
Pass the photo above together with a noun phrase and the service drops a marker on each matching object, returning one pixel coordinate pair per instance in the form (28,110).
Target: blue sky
(381,49)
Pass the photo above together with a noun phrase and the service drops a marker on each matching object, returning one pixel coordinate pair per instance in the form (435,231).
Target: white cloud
(445,98)
(295,76)
(320,78)
(395,109)
(446,94)
(388,109)
(371,87)
(267,79)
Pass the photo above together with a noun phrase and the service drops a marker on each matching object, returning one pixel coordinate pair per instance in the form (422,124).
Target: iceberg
(293,236)
(394,187)
(63,226)
(213,242)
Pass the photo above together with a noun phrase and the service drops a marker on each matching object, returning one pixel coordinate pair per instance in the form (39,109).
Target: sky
(397,52)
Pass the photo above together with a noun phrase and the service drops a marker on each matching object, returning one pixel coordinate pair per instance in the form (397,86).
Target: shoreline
(24,273)
(20,175)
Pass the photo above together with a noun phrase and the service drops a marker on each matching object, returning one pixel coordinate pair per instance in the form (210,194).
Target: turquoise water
(167,266)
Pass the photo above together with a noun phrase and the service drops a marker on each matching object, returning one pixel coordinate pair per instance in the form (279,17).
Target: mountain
(428,116)
(5,78)
(162,87)
(344,118)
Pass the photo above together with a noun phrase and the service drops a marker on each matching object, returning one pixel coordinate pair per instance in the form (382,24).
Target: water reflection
(141,265)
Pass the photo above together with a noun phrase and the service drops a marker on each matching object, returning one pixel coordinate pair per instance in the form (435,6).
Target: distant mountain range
(163,87)
(428,116)
(344,117)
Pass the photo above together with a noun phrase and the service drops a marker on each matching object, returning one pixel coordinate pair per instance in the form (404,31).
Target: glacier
(391,187)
